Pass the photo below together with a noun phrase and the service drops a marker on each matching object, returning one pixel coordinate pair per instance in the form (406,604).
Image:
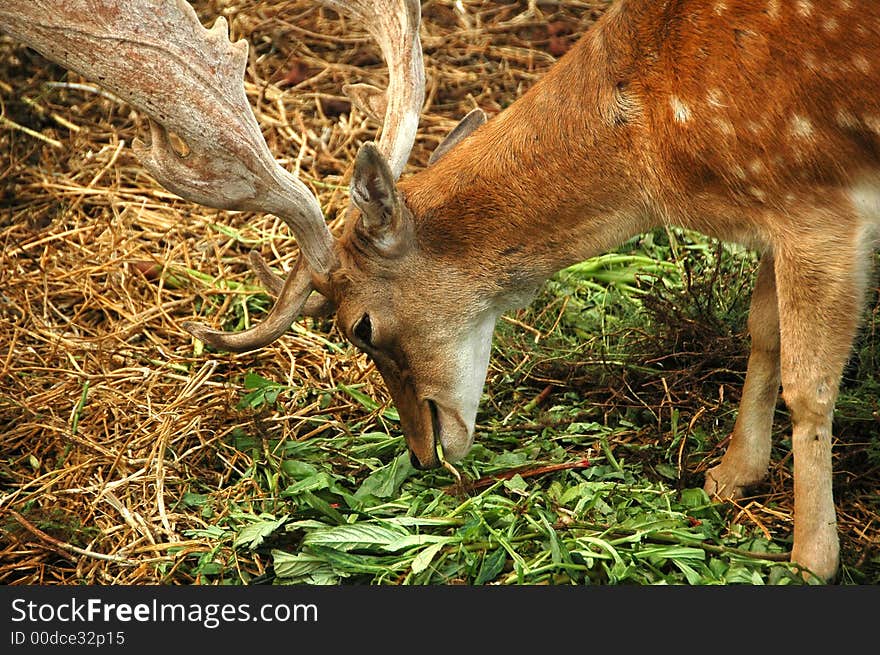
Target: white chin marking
(456,451)
(471,362)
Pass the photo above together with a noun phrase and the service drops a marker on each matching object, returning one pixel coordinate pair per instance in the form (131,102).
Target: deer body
(755,121)
(735,144)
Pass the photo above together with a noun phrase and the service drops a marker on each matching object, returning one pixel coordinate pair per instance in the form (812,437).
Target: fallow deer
(756,121)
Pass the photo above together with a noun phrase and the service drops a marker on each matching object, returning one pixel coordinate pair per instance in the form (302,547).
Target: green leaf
(491,566)
(692,576)
(509,459)
(346,563)
(302,568)
(385,482)
(668,471)
(314,482)
(411,540)
(298,470)
(368,403)
(555,549)
(191,499)
(255,381)
(262,391)
(692,498)
(354,536)
(672,552)
(210,568)
(425,557)
(516,483)
(252,535)
(319,504)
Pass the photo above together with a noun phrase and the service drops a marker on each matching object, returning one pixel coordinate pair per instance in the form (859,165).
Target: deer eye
(363,330)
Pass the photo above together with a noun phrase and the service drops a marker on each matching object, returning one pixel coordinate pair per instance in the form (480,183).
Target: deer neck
(550,181)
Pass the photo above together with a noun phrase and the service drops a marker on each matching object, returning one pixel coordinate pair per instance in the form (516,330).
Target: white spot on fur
(810,60)
(773,9)
(805,8)
(757,193)
(846,119)
(830,24)
(846,5)
(715,97)
(801,127)
(725,127)
(756,167)
(720,7)
(680,111)
(737,170)
(873,122)
(861,63)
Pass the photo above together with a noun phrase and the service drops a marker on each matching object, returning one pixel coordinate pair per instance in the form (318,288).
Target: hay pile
(109,413)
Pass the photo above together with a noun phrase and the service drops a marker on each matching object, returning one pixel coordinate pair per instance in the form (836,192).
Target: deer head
(377,275)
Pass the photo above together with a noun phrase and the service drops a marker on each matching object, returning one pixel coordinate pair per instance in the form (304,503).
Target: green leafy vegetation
(606,401)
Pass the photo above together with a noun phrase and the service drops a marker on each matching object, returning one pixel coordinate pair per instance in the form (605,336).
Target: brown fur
(752,120)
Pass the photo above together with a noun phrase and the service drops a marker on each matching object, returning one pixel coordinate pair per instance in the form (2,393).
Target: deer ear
(374,193)
(465,127)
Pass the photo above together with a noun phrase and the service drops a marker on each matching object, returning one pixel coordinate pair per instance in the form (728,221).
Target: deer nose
(430,461)
(419,466)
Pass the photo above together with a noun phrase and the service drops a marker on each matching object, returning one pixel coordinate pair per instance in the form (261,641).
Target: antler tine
(187,80)
(394,25)
(296,289)
(316,305)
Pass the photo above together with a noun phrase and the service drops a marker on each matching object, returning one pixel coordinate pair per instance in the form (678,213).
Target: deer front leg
(747,457)
(820,282)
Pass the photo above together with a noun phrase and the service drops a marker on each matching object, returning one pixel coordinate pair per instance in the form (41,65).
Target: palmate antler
(186,79)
